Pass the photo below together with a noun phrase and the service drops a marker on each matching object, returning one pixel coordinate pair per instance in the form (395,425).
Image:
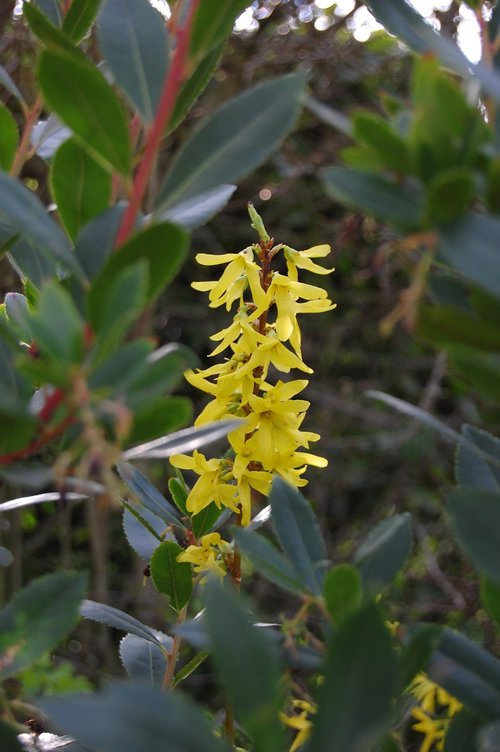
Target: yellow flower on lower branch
(300,722)
(206,558)
(433,713)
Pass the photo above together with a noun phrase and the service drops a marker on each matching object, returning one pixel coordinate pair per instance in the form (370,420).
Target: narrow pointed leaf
(113,617)
(269,561)
(8,83)
(384,552)
(144,660)
(8,138)
(148,494)
(79,18)
(185,440)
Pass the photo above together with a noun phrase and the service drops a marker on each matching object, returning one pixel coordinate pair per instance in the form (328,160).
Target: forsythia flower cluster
(263,338)
(433,713)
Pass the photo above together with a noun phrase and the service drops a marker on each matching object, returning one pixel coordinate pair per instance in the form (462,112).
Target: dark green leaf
(443,325)
(8,138)
(179,492)
(80,186)
(50,36)
(143,539)
(198,210)
(204,521)
(482,265)
(148,494)
(343,590)
(416,653)
(144,660)
(163,247)
(165,372)
(79,18)
(24,212)
(375,194)
(475,517)
(471,469)
(113,617)
(158,416)
(8,738)
(122,368)
(97,240)
(189,667)
(248,667)
(478,368)
(171,577)
(213,24)
(194,86)
(93,111)
(52,9)
(133,41)
(56,324)
(37,618)
(131,716)
(490,594)
(299,534)
(355,698)
(449,195)
(389,147)
(234,140)
(462,732)
(18,314)
(269,561)
(384,551)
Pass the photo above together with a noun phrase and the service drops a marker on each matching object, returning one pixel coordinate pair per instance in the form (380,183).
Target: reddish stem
(51,404)
(24,144)
(171,89)
(43,440)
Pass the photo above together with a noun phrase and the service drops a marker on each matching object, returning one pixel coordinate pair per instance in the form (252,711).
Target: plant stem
(24,144)
(175,77)
(174,654)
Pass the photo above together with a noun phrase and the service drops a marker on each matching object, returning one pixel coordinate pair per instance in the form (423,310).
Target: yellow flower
(302,260)
(433,700)
(432,729)
(206,558)
(212,484)
(242,271)
(300,722)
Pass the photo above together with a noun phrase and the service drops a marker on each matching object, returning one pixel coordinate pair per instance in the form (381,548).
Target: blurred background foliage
(379,462)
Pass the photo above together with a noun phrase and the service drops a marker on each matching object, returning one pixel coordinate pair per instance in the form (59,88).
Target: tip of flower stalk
(257,223)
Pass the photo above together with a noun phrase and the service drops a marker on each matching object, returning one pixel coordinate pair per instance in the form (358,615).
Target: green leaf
(132,716)
(390,148)
(144,660)
(213,24)
(122,368)
(462,732)
(97,240)
(171,577)
(189,667)
(133,41)
(385,199)
(490,594)
(80,186)
(204,521)
(269,561)
(113,308)
(179,492)
(79,18)
(8,83)
(113,617)
(8,138)
(475,517)
(50,36)
(299,534)
(481,233)
(238,137)
(93,111)
(466,671)
(194,86)
(335,118)
(343,589)
(384,551)
(416,653)
(8,738)
(52,9)
(56,324)
(479,369)
(162,247)
(37,618)
(18,315)
(143,530)
(158,416)
(198,210)
(165,372)
(148,494)
(449,195)
(443,325)
(355,699)
(247,665)
(24,212)
(472,469)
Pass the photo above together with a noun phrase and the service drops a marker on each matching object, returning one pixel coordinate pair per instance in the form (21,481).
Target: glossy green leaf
(148,494)
(204,521)
(375,194)
(448,196)
(52,9)
(213,23)
(79,18)
(172,578)
(24,212)
(268,560)
(194,86)
(462,733)
(8,138)
(8,738)
(56,324)
(143,530)
(238,137)
(162,247)
(198,210)
(389,147)
(133,41)
(355,699)
(481,233)
(8,83)
(299,534)
(37,618)
(343,591)
(131,716)
(384,551)
(113,617)
(121,368)
(490,594)
(50,36)
(93,112)
(144,660)
(179,492)
(97,240)
(248,667)
(475,517)
(80,186)
(472,469)
(158,416)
